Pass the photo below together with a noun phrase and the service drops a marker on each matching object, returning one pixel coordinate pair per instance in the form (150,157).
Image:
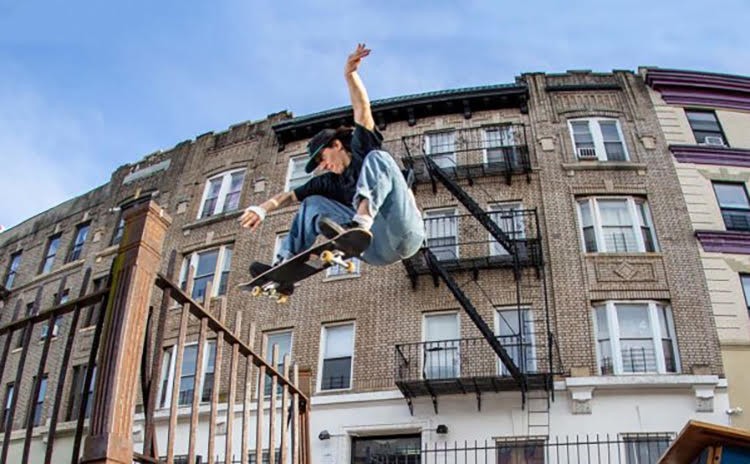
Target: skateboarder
(359,185)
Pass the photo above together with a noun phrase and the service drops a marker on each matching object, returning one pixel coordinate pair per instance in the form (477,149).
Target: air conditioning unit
(587,153)
(713,140)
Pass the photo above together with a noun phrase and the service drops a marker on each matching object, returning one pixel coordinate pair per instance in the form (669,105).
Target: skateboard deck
(277,281)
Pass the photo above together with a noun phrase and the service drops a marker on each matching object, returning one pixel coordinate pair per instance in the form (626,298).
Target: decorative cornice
(707,154)
(714,90)
(722,241)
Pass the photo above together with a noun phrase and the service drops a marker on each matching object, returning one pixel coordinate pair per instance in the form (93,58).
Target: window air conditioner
(713,140)
(587,153)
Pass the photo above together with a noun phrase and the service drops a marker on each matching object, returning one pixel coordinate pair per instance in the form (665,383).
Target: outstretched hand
(352,62)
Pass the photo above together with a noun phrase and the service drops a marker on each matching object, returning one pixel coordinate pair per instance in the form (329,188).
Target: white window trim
(447,155)
(598,138)
(170,380)
(290,170)
(528,315)
(635,217)
(495,247)
(267,393)
(192,260)
(613,327)
(226,181)
(485,141)
(445,212)
(422,356)
(321,357)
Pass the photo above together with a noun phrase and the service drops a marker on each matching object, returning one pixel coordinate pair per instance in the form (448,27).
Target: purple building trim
(701,89)
(707,154)
(721,241)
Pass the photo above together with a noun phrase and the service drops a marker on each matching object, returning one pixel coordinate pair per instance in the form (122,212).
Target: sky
(87,86)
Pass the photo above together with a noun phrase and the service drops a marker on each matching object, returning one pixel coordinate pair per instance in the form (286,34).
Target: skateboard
(335,251)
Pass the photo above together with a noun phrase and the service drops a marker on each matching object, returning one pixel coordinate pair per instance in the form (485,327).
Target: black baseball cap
(315,145)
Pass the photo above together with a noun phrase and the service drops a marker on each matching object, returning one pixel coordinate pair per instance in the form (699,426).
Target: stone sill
(642,381)
(605,166)
(213,219)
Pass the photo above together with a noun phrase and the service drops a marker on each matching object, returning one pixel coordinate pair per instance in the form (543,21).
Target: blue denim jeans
(397,229)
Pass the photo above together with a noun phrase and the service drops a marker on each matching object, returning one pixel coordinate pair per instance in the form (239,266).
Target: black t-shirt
(342,187)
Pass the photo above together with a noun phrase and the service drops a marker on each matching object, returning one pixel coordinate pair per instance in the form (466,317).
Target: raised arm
(357,92)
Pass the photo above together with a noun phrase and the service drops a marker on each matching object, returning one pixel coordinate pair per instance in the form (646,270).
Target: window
(338,347)
(706,128)
(94,312)
(616,225)
(75,252)
(500,146)
(31,310)
(509,218)
(520,346)
(402,449)
(49,254)
(284,341)
(117,237)
(441,148)
(745,280)
(598,139)
(39,404)
(635,337)
(15,262)
(296,174)
(9,392)
(441,348)
(734,205)
(207,265)
(77,391)
(187,374)
(265,456)
(56,326)
(441,227)
(222,193)
(645,449)
(520,451)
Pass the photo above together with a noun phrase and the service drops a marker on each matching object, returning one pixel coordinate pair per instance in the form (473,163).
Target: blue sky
(87,86)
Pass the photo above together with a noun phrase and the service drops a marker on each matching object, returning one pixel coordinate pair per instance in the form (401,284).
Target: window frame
(322,356)
(77,392)
(10,391)
(597,137)
(631,442)
(291,184)
(614,336)
(720,130)
(13,265)
(436,213)
(48,262)
(269,356)
(76,246)
(119,230)
(499,208)
(37,412)
(637,224)
(452,343)
(221,197)
(450,155)
(220,268)
(164,395)
(732,209)
(518,450)
(745,290)
(513,350)
(512,149)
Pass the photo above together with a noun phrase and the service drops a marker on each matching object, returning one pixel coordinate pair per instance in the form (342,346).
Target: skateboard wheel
(350,267)
(256,291)
(283,299)
(326,256)
(272,293)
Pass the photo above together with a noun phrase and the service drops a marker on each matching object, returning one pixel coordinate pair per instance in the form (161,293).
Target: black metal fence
(586,449)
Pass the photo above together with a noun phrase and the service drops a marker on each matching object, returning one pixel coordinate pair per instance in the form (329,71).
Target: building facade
(556,230)
(705,119)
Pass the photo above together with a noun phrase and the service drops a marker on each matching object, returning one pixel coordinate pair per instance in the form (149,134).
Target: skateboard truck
(335,257)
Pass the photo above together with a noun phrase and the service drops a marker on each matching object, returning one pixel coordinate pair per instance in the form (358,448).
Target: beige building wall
(722,270)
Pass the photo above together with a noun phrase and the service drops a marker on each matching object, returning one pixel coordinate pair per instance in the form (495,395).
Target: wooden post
(109,440)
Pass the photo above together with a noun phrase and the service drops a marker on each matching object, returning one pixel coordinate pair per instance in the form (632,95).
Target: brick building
(554,215)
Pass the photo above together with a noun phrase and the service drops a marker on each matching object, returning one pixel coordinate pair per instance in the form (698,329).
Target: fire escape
(494,362)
